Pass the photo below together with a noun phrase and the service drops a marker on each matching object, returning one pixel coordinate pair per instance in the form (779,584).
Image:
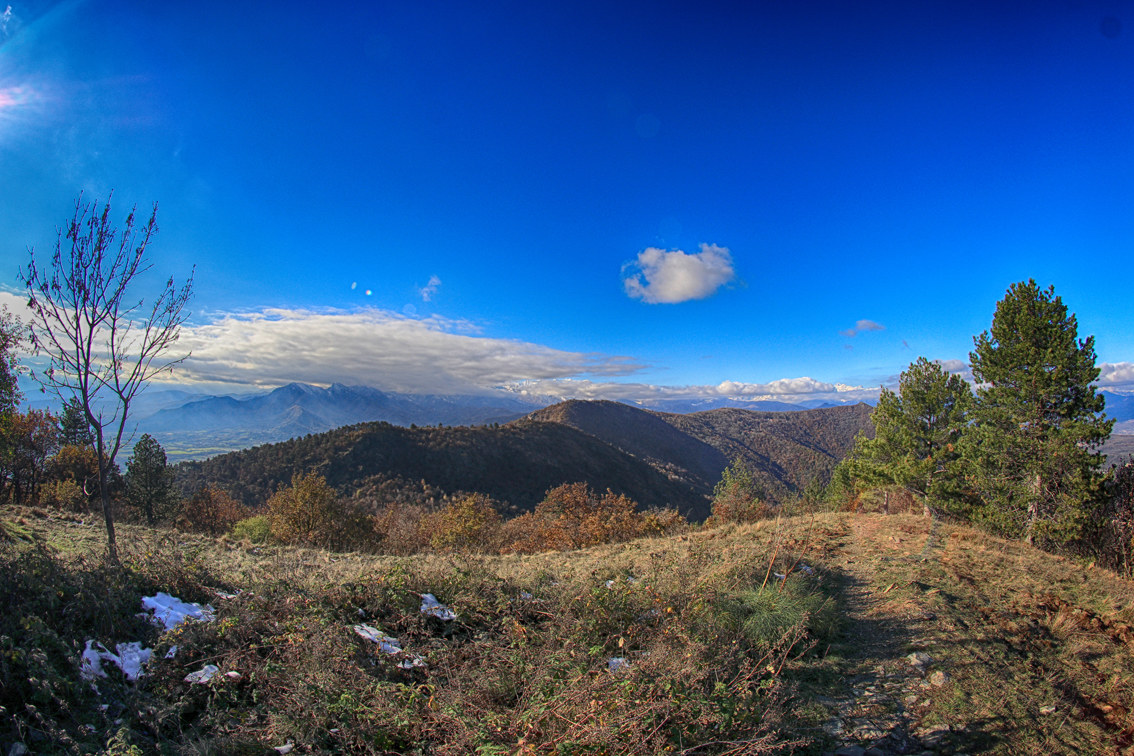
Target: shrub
(471,523)
(572,516)
(64,494)
(400,528)
(310,513)
(737,497)
(257,529)
(211,511)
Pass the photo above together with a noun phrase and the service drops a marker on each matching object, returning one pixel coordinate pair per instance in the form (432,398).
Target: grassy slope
(1026,652)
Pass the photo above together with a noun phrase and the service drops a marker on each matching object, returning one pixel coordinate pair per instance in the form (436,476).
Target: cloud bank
(790,390)
(669,277)
(371,347)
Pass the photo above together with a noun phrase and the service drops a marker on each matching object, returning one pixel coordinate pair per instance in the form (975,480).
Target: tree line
(1017,453)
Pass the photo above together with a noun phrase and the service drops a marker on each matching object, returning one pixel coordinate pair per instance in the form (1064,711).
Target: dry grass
(1038,649)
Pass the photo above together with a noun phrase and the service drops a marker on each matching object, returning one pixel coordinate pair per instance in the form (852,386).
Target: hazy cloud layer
(863,325)
(372,347)
(668,277)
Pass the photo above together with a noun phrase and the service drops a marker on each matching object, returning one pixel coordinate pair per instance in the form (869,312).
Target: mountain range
(657,459)
(194,426)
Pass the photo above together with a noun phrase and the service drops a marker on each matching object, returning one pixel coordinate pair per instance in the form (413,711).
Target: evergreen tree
(149,480)
(1038,419)
(916,435)
(73,426)
(737,496)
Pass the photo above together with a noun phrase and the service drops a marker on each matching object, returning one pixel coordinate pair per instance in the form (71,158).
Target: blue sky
(608,199)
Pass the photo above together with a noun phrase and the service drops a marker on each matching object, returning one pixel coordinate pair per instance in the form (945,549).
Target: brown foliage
(309,512)
(210,510)
(471,523)
(399,528)
(572,516)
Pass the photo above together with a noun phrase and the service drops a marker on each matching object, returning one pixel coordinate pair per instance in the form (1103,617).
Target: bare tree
(103,344)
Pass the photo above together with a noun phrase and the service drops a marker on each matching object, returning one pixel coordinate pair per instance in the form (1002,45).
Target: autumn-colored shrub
(63,494)
(471,523)
(572,516)
(310,513)
(210,510)
(401,528)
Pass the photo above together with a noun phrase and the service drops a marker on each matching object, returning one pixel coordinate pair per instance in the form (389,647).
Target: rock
(875,751)
(833,727)
(851,751)
(939,678)
(1047,710)
(919,659)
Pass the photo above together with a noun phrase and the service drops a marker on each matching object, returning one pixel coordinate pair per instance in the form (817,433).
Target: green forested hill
(513,463)
(785,450)
(657,459)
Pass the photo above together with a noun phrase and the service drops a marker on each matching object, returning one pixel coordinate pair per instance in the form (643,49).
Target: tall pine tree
(1037,420)
(916,435)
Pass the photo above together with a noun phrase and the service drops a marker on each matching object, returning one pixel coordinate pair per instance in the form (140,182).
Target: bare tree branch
(102,345)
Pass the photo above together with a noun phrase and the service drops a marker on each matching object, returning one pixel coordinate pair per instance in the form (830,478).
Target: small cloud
(5,19)
(860,326)
(430,289)
(669,277)
(953,366)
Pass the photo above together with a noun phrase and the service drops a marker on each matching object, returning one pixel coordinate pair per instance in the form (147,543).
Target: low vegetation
(652,646)
(687,644)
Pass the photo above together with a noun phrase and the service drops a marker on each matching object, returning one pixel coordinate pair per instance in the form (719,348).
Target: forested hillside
(657,459)
(515,463)
(784,450)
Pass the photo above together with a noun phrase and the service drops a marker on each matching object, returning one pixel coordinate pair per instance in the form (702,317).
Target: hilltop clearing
(887,632)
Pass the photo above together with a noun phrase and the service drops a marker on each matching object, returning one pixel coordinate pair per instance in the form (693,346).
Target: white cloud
(668,277)
(1118,375)
(862,325)
(430,289)
(789,390)
(371,347)
(780,387)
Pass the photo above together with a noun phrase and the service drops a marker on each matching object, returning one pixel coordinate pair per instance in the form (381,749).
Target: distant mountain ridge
(657,459)
(193,426)
(225,423)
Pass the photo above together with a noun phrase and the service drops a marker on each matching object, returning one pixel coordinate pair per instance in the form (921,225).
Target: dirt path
(881,666)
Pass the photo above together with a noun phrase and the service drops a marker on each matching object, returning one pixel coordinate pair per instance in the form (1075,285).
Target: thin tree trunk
(1033,509)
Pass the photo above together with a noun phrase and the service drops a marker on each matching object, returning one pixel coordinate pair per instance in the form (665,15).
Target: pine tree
(149,480)
(73,426)
(916,435)
(1038,419)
